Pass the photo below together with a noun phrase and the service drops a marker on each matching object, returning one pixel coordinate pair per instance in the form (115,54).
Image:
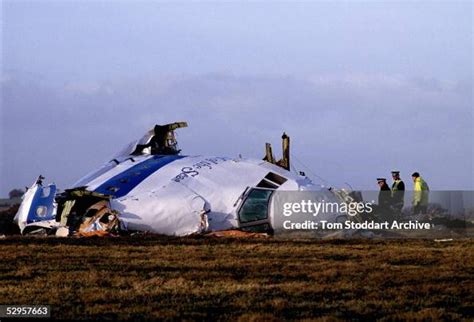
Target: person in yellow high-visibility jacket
(420,194)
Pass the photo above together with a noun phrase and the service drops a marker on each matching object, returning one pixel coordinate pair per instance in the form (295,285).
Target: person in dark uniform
(385,198)
(398,192)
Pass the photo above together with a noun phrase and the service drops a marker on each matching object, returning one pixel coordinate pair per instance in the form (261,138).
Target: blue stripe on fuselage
(121,184)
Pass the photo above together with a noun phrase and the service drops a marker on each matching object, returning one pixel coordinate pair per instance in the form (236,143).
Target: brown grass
(150,277)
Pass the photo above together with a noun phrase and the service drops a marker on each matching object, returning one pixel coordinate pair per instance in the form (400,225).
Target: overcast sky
(361,87)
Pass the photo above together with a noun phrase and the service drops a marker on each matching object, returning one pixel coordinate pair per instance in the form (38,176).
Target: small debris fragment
(62,232)
(443,240)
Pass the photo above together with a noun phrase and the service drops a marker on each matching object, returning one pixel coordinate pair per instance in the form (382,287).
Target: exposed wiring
(309,171)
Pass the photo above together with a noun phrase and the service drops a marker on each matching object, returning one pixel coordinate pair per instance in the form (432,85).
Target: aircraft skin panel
(174,210)
(224,184)
(131,147)
(100,177)
(84,181)
(199,174)
(21,216)
(36,206)
(122,183)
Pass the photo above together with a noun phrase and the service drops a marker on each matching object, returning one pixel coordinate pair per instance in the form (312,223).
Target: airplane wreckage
(150,187)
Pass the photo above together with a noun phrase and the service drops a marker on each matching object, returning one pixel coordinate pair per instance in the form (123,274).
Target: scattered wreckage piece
(104,222)
(86,213)
(74,212)
(37,210)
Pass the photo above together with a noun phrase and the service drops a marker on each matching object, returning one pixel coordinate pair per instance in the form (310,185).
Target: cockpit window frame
(244,200)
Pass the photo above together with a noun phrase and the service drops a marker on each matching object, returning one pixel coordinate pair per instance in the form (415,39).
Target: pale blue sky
(362,87)
(102,39)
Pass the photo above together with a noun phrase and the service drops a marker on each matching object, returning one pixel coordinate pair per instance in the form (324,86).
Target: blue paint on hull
(121,184)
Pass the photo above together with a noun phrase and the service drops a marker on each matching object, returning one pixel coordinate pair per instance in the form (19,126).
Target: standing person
(398,192)
(420,194)
(384,198)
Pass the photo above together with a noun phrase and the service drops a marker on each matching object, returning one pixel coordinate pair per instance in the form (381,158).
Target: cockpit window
(255,206)
(272,181)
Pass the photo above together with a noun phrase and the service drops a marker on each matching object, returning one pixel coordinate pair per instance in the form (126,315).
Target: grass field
(150,277)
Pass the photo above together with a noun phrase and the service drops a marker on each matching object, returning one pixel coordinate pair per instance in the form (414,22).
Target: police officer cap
(395,172)
(381,179)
